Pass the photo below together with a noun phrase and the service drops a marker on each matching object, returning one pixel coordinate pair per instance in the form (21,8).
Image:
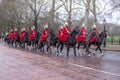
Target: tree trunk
(69,14)
(35,22)
(94,12)
(35,13)
(87,14)
(52,14)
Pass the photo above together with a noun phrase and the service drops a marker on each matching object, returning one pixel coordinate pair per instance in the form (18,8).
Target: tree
(68,7)
(36,6)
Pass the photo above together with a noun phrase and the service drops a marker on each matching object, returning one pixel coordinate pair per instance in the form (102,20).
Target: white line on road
(97,70)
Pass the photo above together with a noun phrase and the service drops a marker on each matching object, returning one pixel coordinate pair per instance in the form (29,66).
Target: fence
(114,40)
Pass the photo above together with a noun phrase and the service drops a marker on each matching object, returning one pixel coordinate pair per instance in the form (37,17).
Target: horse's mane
(103,34)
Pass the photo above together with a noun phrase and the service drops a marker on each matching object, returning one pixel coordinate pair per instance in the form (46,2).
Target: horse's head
(75,31)
(17,38)
(72,35)
(103,34)
(52,39)
(52,33)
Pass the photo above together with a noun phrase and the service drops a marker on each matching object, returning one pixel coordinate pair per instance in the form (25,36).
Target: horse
(51,41)
(101,37)
(16,40)
(34,43)
(25,41)
(80,42)
(70,43)
(6,39)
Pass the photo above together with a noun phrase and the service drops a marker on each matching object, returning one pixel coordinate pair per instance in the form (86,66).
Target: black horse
(34,43)
(6,39)
(16,40)
(25,42)
(51,41)
(101,37)
(70,43)
(80,44)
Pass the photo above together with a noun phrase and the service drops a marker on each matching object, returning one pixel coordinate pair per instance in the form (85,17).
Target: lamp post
(104,22)
(104,41)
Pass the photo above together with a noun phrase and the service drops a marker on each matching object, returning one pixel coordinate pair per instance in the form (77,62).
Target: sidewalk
(111,47)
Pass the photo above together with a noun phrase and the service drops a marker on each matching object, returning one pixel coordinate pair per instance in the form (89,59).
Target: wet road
(18,64)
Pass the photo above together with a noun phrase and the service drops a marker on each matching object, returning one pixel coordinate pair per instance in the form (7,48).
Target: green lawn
(114,38)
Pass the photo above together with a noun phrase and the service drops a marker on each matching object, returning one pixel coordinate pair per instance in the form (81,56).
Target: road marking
(97,70)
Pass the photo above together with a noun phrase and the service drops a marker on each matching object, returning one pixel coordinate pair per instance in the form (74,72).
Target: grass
(115,38)
(110,47)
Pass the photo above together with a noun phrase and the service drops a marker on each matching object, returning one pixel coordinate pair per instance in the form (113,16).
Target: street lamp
(104,22)
(104,41)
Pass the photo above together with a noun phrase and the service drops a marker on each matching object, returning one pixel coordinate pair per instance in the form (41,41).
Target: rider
(15,33)
(94,34)
(82,36)
(32,33)
(60,33)
(22,34)
(66,32)
(83,33)
(11,33)
(45,33)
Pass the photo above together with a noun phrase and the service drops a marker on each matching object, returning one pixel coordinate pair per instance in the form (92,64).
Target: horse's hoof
(61,54)
(83,53)
(79,54)
(47,52)
(57,53)
(89,55)
(102,54)
(75,55)
(94,54)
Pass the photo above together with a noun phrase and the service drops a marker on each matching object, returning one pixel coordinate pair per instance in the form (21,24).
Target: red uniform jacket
(44,35)
(14,35)
(82,36)
(22,35)
(32,34)
(94,38)
(60,34)
(65,36)
(11,35)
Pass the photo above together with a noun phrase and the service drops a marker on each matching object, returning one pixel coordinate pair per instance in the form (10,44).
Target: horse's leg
(74,48)
(48,48)
(78,48)
(61,49)
(33,45)
(29,45)
(95,50)
(78,45)
(12,43)
(23,42)
(84,46)
(26,45)
(43,45)
(40,45)
(100,50)
(58,48)
(87,49)
(68,48)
